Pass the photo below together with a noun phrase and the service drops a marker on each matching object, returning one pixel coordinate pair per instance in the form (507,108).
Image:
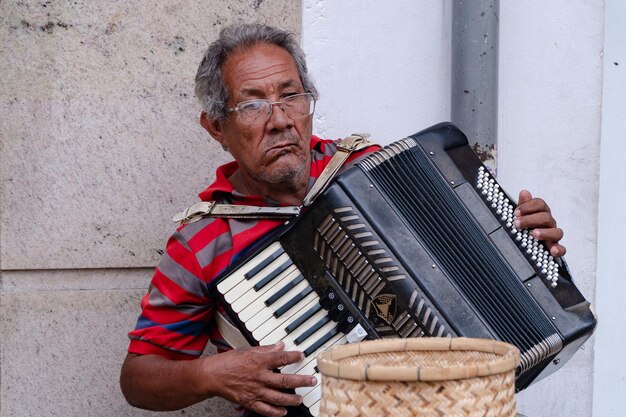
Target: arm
(243,376)
(535,214)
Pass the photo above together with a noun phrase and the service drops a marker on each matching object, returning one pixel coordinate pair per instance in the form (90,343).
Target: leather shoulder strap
(345,148)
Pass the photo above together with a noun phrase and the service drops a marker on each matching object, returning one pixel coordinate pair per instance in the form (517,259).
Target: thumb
(524,197)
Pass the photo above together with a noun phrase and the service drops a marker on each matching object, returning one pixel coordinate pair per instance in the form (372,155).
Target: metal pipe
(474,87)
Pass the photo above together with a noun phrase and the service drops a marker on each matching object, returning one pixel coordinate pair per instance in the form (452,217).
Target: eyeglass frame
(272,103)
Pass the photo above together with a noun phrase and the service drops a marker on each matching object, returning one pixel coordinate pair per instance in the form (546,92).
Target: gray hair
(210,87)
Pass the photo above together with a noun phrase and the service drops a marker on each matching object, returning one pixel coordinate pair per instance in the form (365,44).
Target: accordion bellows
(419,377)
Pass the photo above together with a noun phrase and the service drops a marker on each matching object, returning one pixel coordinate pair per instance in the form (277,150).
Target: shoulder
(323,147)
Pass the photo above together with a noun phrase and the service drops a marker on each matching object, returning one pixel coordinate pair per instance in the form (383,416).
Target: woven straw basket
(419,377)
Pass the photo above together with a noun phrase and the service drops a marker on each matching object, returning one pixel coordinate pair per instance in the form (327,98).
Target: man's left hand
(534,213)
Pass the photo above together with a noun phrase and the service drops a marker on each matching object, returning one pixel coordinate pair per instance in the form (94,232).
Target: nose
(279,120)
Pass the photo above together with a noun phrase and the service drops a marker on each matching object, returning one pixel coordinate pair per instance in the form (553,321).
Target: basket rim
(507,359)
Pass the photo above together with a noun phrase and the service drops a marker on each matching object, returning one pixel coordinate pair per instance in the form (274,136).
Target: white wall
(549,142)
(375,66)
(383,67)
(610,368)
(99,146)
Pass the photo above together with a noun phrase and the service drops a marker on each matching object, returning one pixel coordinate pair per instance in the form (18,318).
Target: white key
(313,338)
(315,409)
(228,283)
(254,308)
(270,325)
(279,332)
(252,295)
(246,284)
(295,367)
(308,393)
(263,315)
(309,368)
(289,338)
(312,397)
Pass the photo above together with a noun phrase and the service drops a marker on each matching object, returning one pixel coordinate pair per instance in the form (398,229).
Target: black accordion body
(415,240)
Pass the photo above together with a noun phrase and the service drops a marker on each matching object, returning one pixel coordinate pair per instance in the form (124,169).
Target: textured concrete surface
(99,146)
(62,347)
(100,138)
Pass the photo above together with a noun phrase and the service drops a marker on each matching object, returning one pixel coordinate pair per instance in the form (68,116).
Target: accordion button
(329,300)
(337,312)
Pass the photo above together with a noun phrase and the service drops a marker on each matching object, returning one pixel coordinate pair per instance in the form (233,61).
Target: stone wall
(100,147)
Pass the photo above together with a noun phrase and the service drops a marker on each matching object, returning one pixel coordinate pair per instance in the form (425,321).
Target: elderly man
(258,104)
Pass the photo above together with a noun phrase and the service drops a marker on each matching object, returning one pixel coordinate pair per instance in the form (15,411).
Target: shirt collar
(222,189)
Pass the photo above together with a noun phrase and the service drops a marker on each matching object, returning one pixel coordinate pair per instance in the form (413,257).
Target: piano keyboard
(274,302)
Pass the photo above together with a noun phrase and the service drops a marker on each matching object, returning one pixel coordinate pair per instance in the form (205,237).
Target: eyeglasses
(260,110)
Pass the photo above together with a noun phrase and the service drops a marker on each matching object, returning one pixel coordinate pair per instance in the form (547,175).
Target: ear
(214,128)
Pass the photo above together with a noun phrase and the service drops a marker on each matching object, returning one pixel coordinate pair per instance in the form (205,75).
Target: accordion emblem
(385,307)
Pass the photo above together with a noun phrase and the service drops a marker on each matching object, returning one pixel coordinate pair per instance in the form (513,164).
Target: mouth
(282,147)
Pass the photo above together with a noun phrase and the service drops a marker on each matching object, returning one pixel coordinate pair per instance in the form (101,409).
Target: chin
(283,172)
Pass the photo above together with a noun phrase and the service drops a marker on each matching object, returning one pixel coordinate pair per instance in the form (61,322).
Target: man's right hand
(245,376)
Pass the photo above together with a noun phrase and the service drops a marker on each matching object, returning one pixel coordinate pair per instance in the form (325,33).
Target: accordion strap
(352,143)
(213,209)
(345,148)
(230,333)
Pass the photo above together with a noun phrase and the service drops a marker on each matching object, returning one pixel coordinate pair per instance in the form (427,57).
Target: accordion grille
(364,268)
(433,212)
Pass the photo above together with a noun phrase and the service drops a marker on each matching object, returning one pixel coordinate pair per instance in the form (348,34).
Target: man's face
(272,152)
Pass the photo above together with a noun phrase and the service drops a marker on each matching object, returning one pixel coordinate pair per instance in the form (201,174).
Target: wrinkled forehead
(260,66)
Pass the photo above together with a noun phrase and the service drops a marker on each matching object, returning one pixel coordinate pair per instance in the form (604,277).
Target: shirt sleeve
(177,311)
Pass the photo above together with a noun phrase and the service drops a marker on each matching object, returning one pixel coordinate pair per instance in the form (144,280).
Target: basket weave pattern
(487,396)
(482,393)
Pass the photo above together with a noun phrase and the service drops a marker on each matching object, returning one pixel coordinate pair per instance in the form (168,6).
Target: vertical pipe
(474,101)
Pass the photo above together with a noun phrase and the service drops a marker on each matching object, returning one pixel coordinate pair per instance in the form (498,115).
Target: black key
(265,263)
(262,283)
(295,300)
(320,342)
(304,336)
(307,315)
(281,293)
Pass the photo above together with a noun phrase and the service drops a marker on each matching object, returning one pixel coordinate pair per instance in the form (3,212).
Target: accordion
(415,240)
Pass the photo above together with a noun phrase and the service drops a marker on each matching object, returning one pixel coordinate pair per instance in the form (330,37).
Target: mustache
(283,138)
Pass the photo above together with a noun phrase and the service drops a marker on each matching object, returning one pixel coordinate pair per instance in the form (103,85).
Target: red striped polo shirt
(177,311)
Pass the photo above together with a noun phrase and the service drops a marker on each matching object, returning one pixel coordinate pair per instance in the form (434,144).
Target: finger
(524,197)
(283,381)
(542,220)
(276,347)
(534,205)
(556,250)
(552,235)
(285,357)
(279,398)
(267,410)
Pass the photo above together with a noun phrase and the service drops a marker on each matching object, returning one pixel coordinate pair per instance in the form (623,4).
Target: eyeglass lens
(295,106)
